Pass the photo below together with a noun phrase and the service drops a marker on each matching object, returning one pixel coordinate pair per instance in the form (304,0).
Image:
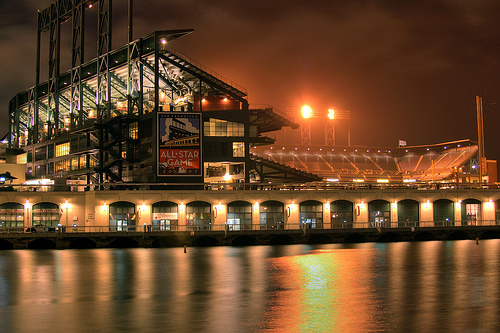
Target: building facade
(249,210)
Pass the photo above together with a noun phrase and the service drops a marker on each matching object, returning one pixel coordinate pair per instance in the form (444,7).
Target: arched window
(408,213)
(45,214)
(198,215)
(444,212)
(11,215)
(311,214)
(341,212)
(165,216)
(471,212)
(239,215)
(272,215)
(122,216)
(380,213)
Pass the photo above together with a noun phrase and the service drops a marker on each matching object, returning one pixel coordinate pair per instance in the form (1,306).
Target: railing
(281,227)
(249,186)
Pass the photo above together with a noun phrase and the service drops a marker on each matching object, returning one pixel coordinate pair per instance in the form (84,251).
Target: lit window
(62,149)
(238,149)
(133,131)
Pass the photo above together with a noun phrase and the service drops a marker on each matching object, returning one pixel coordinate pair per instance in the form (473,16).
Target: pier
(78,238)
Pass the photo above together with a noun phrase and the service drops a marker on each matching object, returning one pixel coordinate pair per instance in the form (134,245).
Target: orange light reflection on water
(323,291)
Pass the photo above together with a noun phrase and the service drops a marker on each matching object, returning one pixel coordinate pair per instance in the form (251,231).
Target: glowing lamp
(331,113)
(307,112)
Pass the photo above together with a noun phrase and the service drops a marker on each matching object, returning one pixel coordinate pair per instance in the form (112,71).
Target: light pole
(480,139)
(330,132)
(305,131)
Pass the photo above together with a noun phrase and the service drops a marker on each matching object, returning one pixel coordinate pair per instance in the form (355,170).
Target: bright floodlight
(306,111)
(331,113)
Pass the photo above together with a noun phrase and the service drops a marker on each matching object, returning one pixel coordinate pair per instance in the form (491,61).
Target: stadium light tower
(305,131)
(330,131)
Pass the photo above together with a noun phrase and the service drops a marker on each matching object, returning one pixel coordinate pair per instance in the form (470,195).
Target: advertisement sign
(165,216)
(179,144)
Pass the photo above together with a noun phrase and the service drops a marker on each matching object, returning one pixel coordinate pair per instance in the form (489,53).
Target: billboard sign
(179,144)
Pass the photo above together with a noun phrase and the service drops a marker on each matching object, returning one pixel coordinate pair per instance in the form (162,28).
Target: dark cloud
(406,69)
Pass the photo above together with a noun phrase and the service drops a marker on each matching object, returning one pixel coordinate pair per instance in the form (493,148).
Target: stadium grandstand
(449,162)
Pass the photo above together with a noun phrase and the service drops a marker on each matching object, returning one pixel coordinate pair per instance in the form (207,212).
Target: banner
(179,144)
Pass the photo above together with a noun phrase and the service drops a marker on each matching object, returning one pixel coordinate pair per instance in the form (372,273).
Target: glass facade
(471,212)
(45,214)
(239,215)
(199,215)
(224,128)
(311,214)
(122,216)
(11,215)
(272,215)
(379,213)
(341,213)
(444,212)
(408,213)
(165,216)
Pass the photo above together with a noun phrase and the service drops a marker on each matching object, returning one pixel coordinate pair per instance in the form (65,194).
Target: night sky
(405,69)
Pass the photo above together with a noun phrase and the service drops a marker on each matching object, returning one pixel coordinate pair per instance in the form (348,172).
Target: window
(165,216)
(74,163)
(198,215)
(133,131)
(50,150)
(83,162)
(122,216)
(238,149)
(11,215)
(62,149)
(239,215)
(272,215)
(218,127)
(311,214)
(63,165)
(45,214)
(408,213)
(41,153)
(341,214)
(444,213)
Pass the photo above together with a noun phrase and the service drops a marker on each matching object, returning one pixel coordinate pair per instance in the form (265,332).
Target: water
(451,286)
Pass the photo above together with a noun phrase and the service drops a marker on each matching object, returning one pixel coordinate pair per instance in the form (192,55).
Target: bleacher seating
(435,162)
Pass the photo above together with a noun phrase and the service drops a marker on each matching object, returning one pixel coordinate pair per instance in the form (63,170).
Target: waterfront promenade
(102,237)
(143,217)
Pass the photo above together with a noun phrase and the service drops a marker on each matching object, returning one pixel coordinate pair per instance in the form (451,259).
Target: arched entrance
(198,215)
(341,212)
(272,215)
(380,213)
(165,216)
(11,215)
(408,213)
(239,215)
(444,212)
(311,214)
(471,212)
(46,216)
(122,216)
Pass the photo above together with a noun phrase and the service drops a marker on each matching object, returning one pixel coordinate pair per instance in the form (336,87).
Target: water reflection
(413,287)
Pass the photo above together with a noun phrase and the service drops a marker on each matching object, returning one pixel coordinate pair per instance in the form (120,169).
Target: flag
(402,143)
